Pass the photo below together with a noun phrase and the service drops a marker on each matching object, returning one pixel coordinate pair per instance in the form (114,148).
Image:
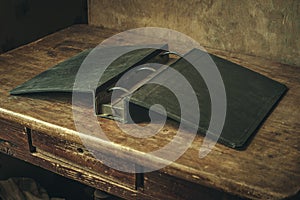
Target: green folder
(61,78)
(250,96)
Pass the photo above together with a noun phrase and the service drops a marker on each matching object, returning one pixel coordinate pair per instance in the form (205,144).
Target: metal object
(171,52)
(118,88)
(146,68)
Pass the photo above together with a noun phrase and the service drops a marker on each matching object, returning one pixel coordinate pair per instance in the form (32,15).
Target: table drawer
(78,156)
(164,186)
(13,138)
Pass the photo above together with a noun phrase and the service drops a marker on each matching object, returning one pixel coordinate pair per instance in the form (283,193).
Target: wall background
(23,21)
(269,28)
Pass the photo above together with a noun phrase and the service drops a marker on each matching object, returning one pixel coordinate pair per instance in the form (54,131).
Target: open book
(249,96)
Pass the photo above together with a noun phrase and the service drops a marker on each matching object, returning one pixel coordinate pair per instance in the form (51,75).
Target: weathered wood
(77,155)
(14,142)
(163,186)
(268,169)
(12,136)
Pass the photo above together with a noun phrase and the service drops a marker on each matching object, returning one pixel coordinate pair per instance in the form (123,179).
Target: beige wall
(266,28)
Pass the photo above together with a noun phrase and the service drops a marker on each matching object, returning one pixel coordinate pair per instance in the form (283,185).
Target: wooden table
(40,130)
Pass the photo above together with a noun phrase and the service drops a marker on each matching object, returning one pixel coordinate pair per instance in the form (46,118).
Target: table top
(268,168)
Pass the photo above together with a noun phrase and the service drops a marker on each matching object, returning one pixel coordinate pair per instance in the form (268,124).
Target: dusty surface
(267,169)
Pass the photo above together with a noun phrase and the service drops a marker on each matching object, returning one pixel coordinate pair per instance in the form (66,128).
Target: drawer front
(164,186)
(13,138)
(78,156)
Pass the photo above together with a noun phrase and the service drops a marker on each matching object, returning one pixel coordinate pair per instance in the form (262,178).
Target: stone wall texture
(265,28)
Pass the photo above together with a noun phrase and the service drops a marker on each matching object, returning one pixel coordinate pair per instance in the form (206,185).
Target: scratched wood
(13,142)
(268,169)
(78,155)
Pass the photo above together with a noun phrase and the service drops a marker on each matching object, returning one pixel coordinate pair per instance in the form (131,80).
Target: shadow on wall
(23,21)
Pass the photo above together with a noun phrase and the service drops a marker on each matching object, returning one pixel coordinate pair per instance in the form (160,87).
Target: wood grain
(268,169)
(82,158)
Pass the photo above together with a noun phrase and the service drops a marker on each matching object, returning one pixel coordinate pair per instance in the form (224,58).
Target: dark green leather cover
(250,97)
(61,77)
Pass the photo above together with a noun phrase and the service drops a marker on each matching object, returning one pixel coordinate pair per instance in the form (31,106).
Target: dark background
(24,21)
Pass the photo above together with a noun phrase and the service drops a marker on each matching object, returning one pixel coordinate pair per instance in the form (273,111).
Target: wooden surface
(268,169)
